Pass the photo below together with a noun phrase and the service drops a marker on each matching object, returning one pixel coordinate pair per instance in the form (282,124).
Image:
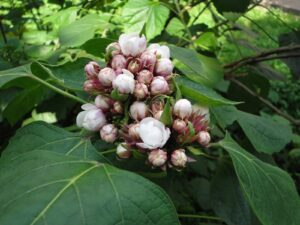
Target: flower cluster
(131,94)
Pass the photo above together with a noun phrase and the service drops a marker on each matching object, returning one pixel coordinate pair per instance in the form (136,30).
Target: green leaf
(225,115)
(270,191)
(46,137)
(96,46)
(78,32)
(147,14)
(227,198)
(199,68)
(201,94)
(166,117)
(265,134)
(49,188)
(11,74)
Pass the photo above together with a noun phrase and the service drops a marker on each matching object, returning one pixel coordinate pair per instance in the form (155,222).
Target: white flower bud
(118,63)
(161,51)
(158,114)
(164,67)
(91,70)
(106,76)
(159,86)
(183,108)
(203,138)
(138,110)
(157,157)
(179,158)
(124,83)
(133,131)
(113,49)
(140,91)
(132,44)
(153,133)
(117,107)
(91,118)
(102,102)
(123,152)
(145,76)
(109,133)
(148,60)
(179,125)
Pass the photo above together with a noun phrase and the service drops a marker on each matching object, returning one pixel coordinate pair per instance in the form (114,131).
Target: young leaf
(147,14)
(166,117)
(68,190)
(270,191)
(46,137)
(199,68)
(265,134)
(201,94)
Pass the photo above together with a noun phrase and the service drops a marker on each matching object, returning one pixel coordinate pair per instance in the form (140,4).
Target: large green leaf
(201,94)
(270,191)
(265,134)
(199,68)
(11,74)
(96,46)
(225,115)
(227,198)
(46,137)
(149,15)
(81,30)
(41,187)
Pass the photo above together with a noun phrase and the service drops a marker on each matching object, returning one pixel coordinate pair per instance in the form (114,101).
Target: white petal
(143,145)
(80,118)
(88,106)
(164,52)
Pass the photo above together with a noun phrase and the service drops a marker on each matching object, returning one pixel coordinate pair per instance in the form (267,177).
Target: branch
(266,102)
(276,53)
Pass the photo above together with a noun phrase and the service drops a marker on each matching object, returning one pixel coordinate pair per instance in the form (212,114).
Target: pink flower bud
(113,49)
(124,82)
(91,118)
(145,76)
(140,91)
(132,44)
(109,133)
(106,76)
(158,114)
(92,85)
(159,86)
(203,138)
(179,158)
(123,152)
(102,102)
(117,107)
(183,108)
(118,63)
(148,60)
(164,67)
(133,131)
(139,110)
(91,70)
(179,125)
(134,65)
(157,157)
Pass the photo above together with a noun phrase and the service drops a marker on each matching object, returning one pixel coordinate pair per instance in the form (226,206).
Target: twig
(267,55)
(266,102)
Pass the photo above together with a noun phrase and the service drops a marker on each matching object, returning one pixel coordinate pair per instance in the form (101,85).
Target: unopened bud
(157,157)
(179,158)
(109,133)
(117,107)
(164,67)
(203,138)
(124,82)
(134,66)
(91,70)
(145,76)
(123,152)
(179,125)
(148,60)
(113,49)
(139,110)
(157,105)
(159,86)
(92,85)
(106,76)
(183,108)
(140,91)
(102,102)
(158,114)
(118,63)
(133,131)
